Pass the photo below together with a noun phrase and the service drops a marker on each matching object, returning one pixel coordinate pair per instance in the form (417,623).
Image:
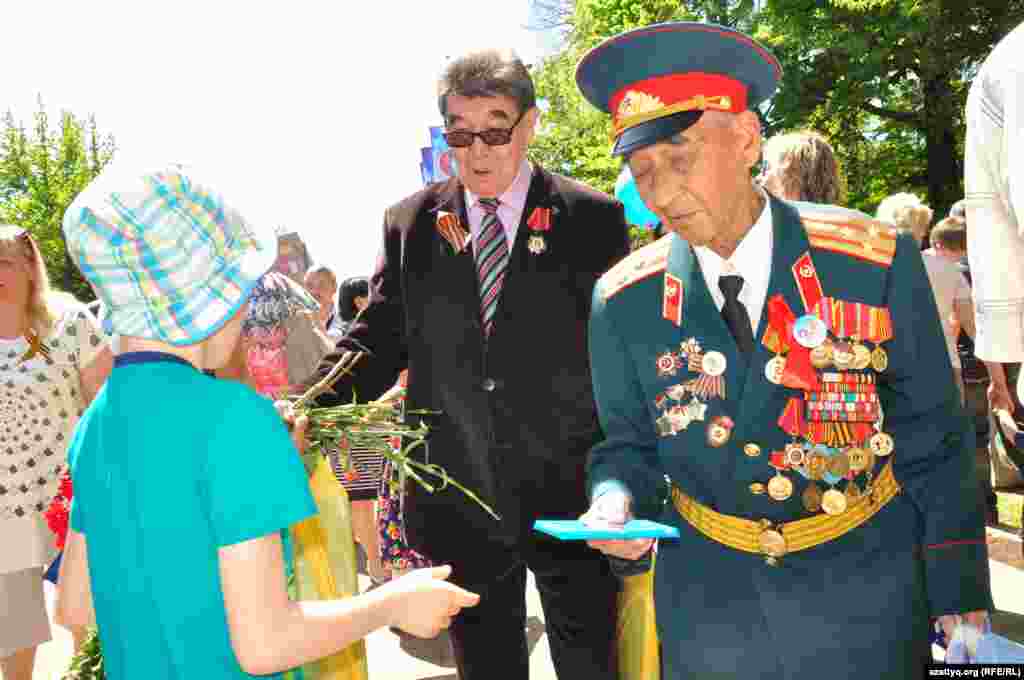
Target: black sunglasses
(458,139)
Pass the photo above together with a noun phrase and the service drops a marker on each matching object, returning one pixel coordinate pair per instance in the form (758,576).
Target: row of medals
(818,461)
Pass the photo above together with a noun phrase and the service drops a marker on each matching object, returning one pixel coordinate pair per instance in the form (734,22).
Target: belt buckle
(772,543)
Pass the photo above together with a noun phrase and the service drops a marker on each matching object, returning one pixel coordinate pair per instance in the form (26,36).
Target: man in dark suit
(482,289)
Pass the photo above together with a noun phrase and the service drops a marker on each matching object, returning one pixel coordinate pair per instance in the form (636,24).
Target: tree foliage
(884,80)
(42,170)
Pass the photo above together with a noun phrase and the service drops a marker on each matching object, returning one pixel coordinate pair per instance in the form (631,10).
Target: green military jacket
(683,409)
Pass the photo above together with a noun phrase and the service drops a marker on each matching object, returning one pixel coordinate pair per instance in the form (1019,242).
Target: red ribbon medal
(799,373)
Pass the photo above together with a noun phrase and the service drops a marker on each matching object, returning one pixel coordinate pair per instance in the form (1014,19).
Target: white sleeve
(994,153)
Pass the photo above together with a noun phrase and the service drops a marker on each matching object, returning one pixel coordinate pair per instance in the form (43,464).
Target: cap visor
(654,131)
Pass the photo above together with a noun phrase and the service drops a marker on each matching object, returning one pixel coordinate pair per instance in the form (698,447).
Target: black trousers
(578,595)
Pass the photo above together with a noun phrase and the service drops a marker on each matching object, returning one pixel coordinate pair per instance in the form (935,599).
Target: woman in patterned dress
(53,360)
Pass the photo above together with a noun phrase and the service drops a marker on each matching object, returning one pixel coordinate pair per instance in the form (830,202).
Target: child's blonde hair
(45,305)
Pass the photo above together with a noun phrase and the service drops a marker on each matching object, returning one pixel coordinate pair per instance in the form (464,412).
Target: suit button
(758,489)
(488,384)
(752,450)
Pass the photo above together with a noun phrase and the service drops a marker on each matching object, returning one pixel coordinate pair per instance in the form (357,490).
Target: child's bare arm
(74,593)
(270,633)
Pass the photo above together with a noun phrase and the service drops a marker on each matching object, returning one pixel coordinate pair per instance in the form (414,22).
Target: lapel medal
(538,222)
(536,244)
(719,431)
(775,369)
(833,502)
(668,364)
(861,356)
(713,364)
(780,487)
(451,230)
(881,444)
(821,356)
(879,360)
(810,331)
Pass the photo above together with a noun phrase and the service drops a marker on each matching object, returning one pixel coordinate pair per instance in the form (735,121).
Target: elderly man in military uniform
(772,379)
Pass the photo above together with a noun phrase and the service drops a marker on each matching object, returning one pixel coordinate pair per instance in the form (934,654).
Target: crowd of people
(777,378)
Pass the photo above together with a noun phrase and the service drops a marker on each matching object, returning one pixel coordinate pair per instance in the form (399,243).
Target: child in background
(183,483)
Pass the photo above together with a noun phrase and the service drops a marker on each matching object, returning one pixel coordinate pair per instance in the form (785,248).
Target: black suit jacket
(517,414)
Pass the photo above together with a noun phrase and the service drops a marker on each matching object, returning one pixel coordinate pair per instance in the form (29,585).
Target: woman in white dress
(53,360)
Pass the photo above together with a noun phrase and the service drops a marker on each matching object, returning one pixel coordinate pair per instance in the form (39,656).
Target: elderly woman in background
(801,166)
(53,360)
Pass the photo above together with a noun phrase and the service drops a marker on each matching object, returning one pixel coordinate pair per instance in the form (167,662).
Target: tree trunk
(945,167)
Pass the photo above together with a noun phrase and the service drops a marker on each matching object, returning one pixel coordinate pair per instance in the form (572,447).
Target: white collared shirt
(510,209)
(752,260)
(994,181)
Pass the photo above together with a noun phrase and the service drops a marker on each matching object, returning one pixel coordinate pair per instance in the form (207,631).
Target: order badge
(810,331)
(713,364)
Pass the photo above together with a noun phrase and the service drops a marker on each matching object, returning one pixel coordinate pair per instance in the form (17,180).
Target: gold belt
(775,540)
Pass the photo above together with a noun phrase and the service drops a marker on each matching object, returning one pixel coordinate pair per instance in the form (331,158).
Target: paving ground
(405,658)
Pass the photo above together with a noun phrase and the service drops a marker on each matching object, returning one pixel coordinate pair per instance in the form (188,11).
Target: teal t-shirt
(169,465)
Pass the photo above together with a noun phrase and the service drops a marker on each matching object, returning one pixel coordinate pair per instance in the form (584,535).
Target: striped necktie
(491,261)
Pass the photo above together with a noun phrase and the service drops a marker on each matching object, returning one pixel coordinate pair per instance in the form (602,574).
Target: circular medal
(816,465)
(752,450)
(537,244)
(773,370)
(838,464)
(719,432)
(879,359)
(821,356)
(666,364)
(881,444)
(810,331)
(842,355)
(780,488)
(812,498)
(833,502)
(713,364)
(860,459)
(852,492)
(757,488)
(861,357)
(795,455)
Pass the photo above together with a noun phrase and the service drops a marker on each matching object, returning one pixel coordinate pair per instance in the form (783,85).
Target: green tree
(884,80)
(42,170)
(888,80)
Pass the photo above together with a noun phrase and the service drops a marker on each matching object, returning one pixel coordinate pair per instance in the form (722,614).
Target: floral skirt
(394,548)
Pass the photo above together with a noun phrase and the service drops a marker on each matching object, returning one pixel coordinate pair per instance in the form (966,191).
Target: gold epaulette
(851,233)
(636,266)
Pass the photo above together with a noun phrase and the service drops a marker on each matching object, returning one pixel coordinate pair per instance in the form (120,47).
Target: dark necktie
(735,313)
(491,261)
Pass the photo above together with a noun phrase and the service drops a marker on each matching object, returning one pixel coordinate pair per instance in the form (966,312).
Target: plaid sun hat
(170,259)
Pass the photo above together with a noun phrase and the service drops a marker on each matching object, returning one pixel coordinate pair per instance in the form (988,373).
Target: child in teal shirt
(182,482)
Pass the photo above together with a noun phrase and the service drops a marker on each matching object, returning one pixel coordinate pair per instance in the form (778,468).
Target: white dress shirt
(510,207)
(994,180)
(751,260)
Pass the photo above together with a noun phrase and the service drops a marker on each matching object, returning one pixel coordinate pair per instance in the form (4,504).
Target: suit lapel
(459,269)
(540,193)
(702,318)
(789,242)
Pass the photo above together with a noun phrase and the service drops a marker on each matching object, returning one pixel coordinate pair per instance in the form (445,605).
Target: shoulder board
(848,232)
(636,266)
